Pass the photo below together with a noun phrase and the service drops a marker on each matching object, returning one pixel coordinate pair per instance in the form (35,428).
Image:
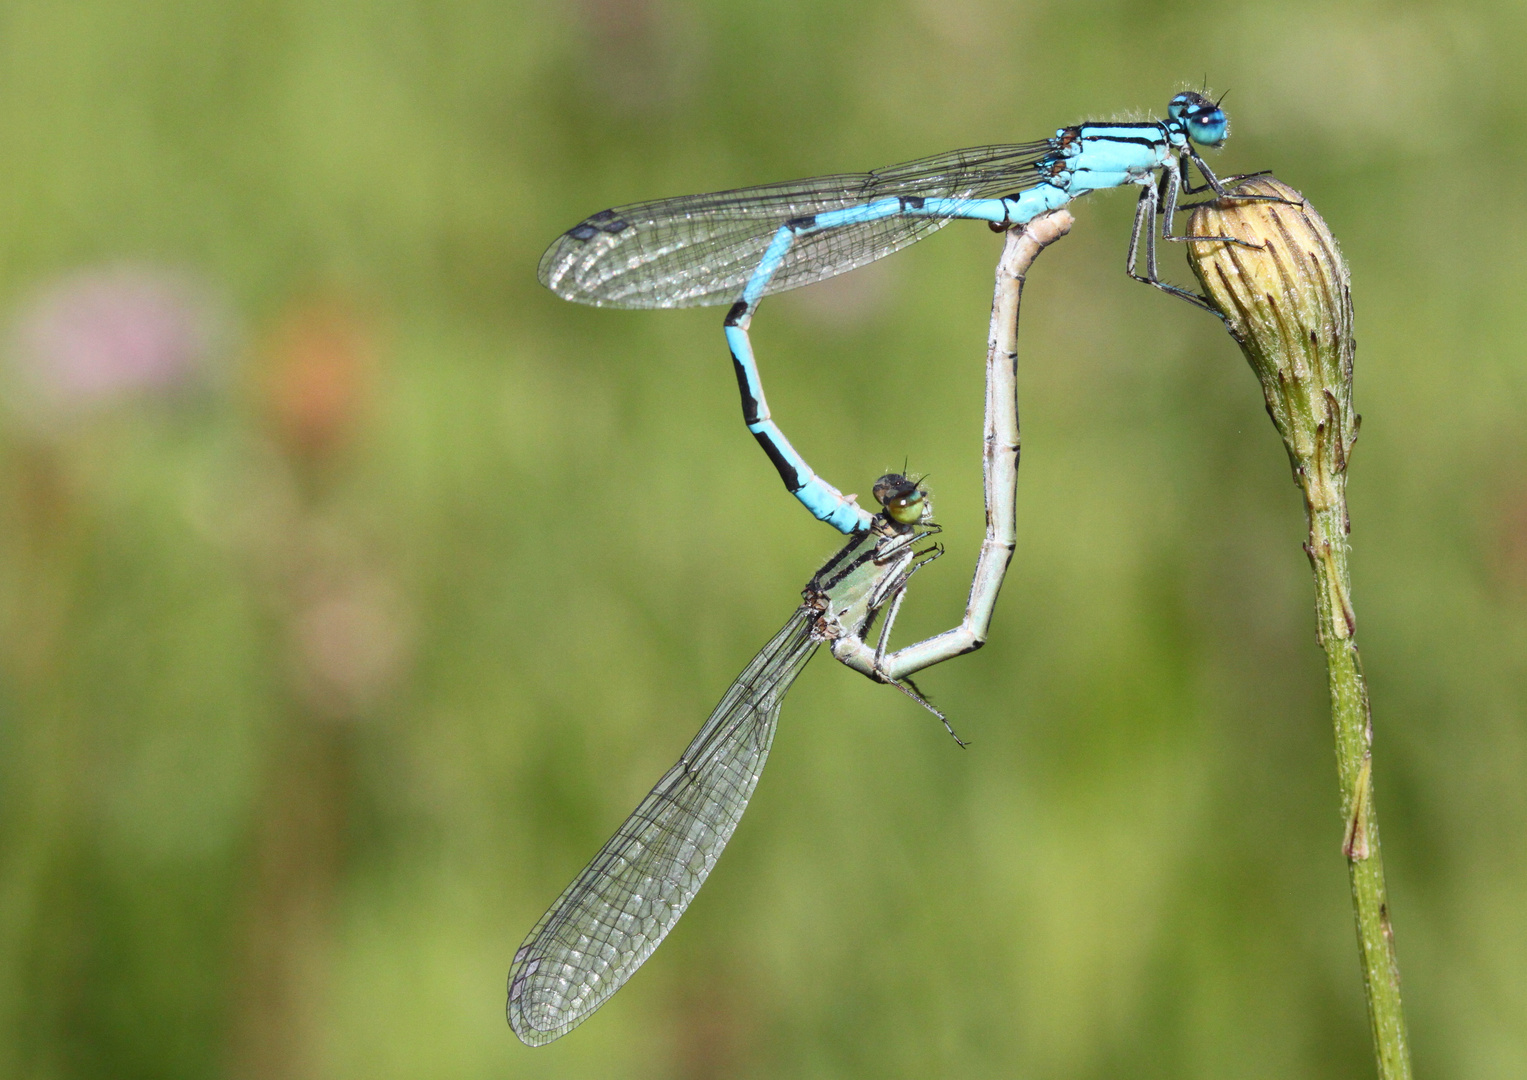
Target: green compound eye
(903,499)
(906,509)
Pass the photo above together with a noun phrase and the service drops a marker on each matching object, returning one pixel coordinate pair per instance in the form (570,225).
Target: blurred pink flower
(95,336)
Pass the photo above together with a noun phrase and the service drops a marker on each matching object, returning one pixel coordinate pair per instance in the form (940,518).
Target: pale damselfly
(608,921)
(616,911)
(735,247)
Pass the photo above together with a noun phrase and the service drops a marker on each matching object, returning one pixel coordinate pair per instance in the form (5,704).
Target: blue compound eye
(1209,129)
(1203,119)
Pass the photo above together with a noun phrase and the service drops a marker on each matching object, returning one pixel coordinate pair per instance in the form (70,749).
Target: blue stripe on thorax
(1120,148)
(1150,132)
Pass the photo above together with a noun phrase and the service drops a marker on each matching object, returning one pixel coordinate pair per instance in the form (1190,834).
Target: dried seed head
(1287,301)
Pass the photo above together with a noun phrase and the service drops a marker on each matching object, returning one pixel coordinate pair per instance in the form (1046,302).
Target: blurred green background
(354,588)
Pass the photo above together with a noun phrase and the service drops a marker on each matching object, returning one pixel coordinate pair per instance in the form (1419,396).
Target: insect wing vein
(617,910)
(701,249)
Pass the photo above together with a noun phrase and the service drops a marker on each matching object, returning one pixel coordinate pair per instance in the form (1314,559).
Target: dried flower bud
(1285,294)
(1287,302)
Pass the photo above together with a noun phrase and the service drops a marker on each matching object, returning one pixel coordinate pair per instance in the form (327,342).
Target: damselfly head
(904,499)
(1203,119)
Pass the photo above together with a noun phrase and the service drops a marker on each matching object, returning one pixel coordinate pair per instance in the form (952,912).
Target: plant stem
(1326,510)
(1284,293)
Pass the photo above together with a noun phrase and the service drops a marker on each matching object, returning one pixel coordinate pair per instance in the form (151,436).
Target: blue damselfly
(735,247)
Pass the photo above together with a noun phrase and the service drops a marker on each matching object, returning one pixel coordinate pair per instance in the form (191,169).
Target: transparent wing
(608,921)
(701,249)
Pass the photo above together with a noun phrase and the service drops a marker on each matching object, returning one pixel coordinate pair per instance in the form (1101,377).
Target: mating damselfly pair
(736,247)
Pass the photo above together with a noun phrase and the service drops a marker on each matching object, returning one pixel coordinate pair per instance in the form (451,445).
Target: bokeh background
(354,588)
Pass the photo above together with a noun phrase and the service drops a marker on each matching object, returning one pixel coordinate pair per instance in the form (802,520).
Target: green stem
(1326,508)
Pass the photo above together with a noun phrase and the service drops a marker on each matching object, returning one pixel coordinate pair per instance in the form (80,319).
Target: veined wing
(701,249)
(608,921)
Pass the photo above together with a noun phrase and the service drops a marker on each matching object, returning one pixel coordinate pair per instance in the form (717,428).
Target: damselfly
(735,247)
(614,914)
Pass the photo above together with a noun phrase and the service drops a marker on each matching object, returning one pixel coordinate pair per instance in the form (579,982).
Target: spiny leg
(1145,226)
(1171,181)
(1164,201)
(1219,186)
(905,684)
